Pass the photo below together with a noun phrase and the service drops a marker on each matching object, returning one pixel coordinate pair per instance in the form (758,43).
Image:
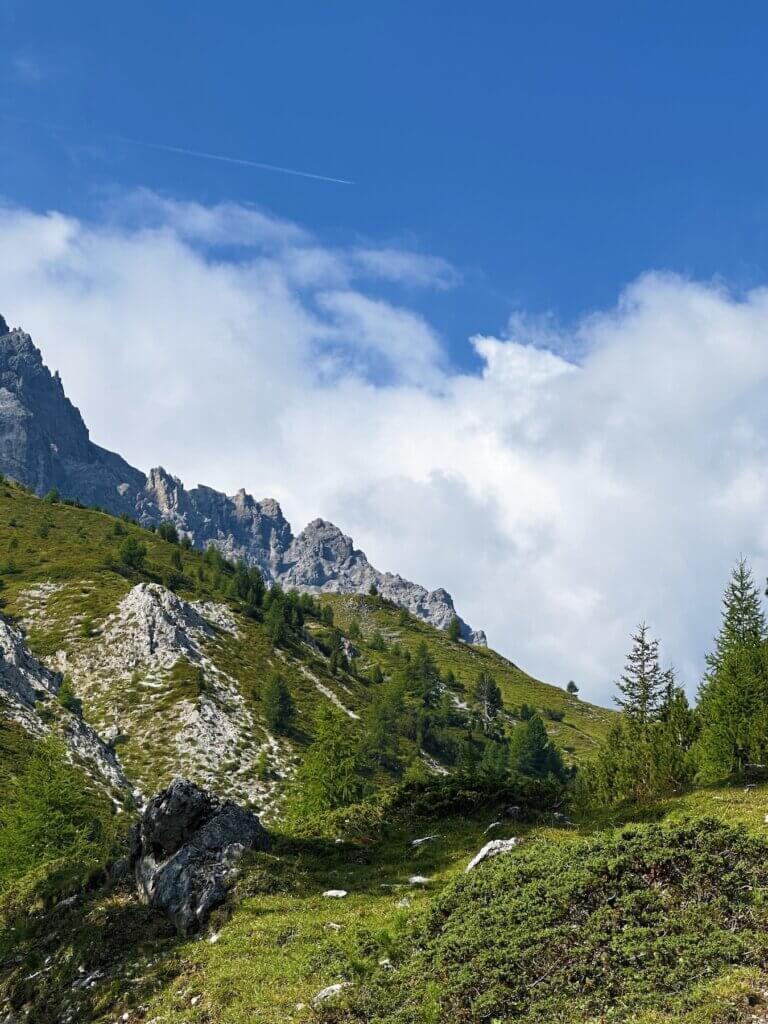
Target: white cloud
(559,502)
(408,268)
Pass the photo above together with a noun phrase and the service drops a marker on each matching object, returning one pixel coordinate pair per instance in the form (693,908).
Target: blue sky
(551,152)
(524,356)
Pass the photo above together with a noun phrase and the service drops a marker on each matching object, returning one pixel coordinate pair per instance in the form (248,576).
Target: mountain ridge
(45,444)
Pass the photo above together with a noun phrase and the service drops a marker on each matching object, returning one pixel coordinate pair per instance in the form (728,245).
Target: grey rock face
(43,440)
(322,558)
(185,849)
(27,686)
(44,443)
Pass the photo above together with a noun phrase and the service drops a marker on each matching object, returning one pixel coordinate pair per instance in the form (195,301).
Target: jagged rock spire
(4,328)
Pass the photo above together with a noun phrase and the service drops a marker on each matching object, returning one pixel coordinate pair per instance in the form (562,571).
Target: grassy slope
(53,561)
(281,941)
(583,725)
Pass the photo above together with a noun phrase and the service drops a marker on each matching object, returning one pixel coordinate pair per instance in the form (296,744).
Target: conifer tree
(454,629)
(642,683)
(328,776)
(494,764)
(488,700)
(381,726)
(733,701)
(743,617)
(50,813)
(532,752)
(275,621)
(277,704)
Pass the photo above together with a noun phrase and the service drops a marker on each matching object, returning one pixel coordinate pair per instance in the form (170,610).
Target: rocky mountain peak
(4,328)
(44,444)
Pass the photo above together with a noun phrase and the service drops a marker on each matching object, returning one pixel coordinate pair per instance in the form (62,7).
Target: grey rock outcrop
(185,850)
(45,444)
(28,692)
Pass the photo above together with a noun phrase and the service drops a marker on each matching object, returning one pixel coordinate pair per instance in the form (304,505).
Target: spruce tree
(733,700)
(277,704)
(532,752)
(454,629)
(743,618)
(488,700)
(642,683)
(275,622)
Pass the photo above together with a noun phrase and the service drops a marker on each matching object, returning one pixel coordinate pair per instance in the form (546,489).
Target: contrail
(229,160)
(186,152)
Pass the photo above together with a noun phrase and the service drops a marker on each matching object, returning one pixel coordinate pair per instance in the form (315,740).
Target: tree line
(660,745)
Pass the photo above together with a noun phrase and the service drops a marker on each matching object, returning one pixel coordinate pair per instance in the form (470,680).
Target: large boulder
(185,850)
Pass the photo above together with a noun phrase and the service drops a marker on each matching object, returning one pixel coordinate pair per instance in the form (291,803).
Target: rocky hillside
(45,444)
(169,669)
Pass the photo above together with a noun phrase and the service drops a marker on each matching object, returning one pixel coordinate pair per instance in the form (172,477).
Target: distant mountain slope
(45,444)
(170,672)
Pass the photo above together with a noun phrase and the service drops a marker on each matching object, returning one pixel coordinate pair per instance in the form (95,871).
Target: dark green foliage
(382,726)
(454,629)
(733,701)
(743,622)
(533,753)
(377,642)
(354,630)
(422,677)
(168,532)
(67,697)
(52,496)
(376,675)
(648,752)
(631,920)
(642,762)
(403,617)
(642,683)
(176,560)
(248,588)
(277,704)
(52,814)
(734,712)
(118,529)
(132,553)
(337,659)
(488,700)
(373,590)
(327,615)
(276,620)
(553,714)
(572,687)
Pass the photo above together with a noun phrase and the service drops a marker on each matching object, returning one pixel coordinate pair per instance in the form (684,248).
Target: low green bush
(599,929)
